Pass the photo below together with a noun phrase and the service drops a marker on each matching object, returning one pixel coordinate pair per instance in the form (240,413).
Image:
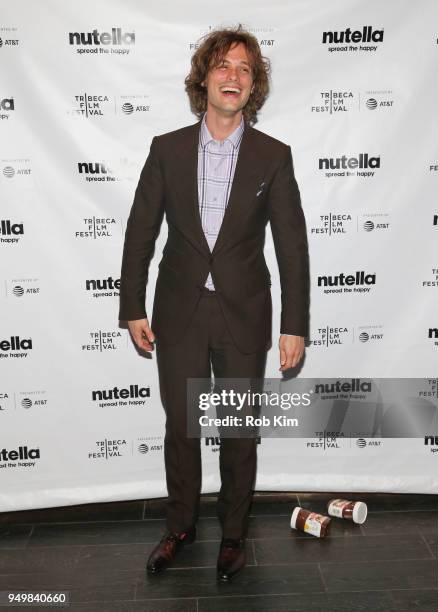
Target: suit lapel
(245,174)
(188,170)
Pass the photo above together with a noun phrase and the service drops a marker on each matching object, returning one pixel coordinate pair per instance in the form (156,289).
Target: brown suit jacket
(264,189)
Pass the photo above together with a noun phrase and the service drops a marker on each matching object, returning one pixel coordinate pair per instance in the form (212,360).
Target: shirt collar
(235,137)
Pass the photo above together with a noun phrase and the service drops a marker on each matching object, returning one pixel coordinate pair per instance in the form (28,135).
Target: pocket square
(261,187)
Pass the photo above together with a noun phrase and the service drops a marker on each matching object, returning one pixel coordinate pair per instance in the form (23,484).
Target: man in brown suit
(219,182)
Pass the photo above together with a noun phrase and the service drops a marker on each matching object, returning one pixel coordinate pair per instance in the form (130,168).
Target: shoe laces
(168,543)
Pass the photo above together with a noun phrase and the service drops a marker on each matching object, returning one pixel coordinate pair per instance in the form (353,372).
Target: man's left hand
(291,351)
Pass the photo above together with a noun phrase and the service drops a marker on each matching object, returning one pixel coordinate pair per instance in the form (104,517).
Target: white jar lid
(293,519)
(360,512)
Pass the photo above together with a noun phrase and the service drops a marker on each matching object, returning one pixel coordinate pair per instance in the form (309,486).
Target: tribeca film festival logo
(6,402)
(102,341)
(22,287)
(115,42)
(7,107)
(13,169)
(333,440)
(358,282)
(341,101)
(324,337)
(430,390)
(338,224)
(23,456)
(328,440)
(104,287)
(10,232)
(433,280)
(349,40)
(328,336)
(332,224)
(115,449)
(97,227)
(15,347)
(109,449)
(98,105)
(361,166)
(132,396)
(8,38)
(108,172)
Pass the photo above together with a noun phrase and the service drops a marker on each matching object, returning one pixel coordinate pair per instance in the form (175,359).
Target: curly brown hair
(210,53)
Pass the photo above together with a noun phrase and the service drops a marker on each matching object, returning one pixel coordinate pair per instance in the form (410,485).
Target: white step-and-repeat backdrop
(83,89)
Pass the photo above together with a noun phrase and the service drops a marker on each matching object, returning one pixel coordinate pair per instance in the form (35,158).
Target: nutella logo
(94,168)
(7,228)
(134,391)
(358,278)
(348,36)
(336,163)
(358,282)
(431,441)
(102,284)
(23,452)
(432,334)
(344,386)
(15,343)
(115,37)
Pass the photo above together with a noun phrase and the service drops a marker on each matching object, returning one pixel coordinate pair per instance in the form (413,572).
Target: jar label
(313,524)
(337,506)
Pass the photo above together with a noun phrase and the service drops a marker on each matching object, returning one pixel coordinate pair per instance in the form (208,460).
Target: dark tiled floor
(97,552)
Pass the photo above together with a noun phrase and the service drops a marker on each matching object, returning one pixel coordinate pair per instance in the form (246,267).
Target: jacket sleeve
(289,233)
(142,228)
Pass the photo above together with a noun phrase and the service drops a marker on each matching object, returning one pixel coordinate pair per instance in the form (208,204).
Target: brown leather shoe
(164,553)
(231,558)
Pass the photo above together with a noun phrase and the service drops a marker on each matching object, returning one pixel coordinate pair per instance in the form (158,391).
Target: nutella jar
(310,522)
(354,511)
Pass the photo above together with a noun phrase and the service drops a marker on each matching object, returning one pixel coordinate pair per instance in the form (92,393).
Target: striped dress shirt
(216,165)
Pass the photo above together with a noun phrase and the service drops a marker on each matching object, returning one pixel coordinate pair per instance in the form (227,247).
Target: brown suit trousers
(205,347)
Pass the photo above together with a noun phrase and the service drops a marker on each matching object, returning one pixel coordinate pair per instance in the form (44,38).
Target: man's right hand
(142,334)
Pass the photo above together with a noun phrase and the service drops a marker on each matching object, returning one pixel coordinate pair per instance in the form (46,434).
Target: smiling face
(229,84)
